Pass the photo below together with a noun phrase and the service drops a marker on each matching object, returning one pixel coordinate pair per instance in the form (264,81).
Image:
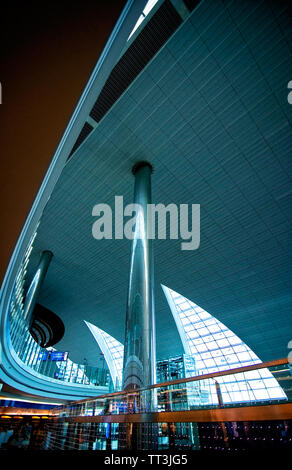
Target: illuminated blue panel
(216,348)
(113,352)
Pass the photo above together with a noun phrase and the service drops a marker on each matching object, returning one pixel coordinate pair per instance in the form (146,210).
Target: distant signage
(53,356)
(59,356)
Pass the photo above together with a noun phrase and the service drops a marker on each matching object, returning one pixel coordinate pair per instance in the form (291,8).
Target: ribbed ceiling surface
(210,112)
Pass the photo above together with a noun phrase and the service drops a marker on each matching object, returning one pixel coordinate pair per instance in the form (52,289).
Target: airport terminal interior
(114,340)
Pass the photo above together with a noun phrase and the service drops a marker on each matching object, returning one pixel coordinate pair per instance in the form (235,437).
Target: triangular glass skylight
(216,348)
(113,352)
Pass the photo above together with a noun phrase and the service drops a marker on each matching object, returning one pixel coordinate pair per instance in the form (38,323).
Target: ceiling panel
(210,113)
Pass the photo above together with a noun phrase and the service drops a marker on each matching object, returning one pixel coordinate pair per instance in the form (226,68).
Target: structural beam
(35,286)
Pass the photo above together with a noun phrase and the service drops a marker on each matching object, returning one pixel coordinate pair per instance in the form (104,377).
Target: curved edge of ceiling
(8,367)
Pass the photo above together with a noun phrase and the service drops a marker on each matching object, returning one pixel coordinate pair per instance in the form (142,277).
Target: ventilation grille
(154,34)
(152,37)
(86,129)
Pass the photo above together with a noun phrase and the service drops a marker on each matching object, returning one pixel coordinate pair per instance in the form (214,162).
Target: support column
(140,348)
(35,286)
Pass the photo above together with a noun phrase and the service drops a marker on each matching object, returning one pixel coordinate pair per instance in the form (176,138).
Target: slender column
(219,394)
(139,352)
(35,286)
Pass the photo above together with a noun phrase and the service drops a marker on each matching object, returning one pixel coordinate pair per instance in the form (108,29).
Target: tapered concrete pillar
(140,349)
(35,286)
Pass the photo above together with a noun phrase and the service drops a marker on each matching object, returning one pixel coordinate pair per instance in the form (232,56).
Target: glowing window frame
(113,352)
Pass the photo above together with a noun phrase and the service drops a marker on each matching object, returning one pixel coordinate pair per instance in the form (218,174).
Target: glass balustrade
(188,414)
(238,388)
(52,363)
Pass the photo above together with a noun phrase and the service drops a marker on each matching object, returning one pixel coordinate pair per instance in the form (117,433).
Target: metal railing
(259,384)
(181,416)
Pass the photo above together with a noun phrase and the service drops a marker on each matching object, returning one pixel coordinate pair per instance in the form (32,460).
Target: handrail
(261,412)
(261,365)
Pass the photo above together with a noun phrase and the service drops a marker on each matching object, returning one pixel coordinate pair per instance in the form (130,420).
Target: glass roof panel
(225,350)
